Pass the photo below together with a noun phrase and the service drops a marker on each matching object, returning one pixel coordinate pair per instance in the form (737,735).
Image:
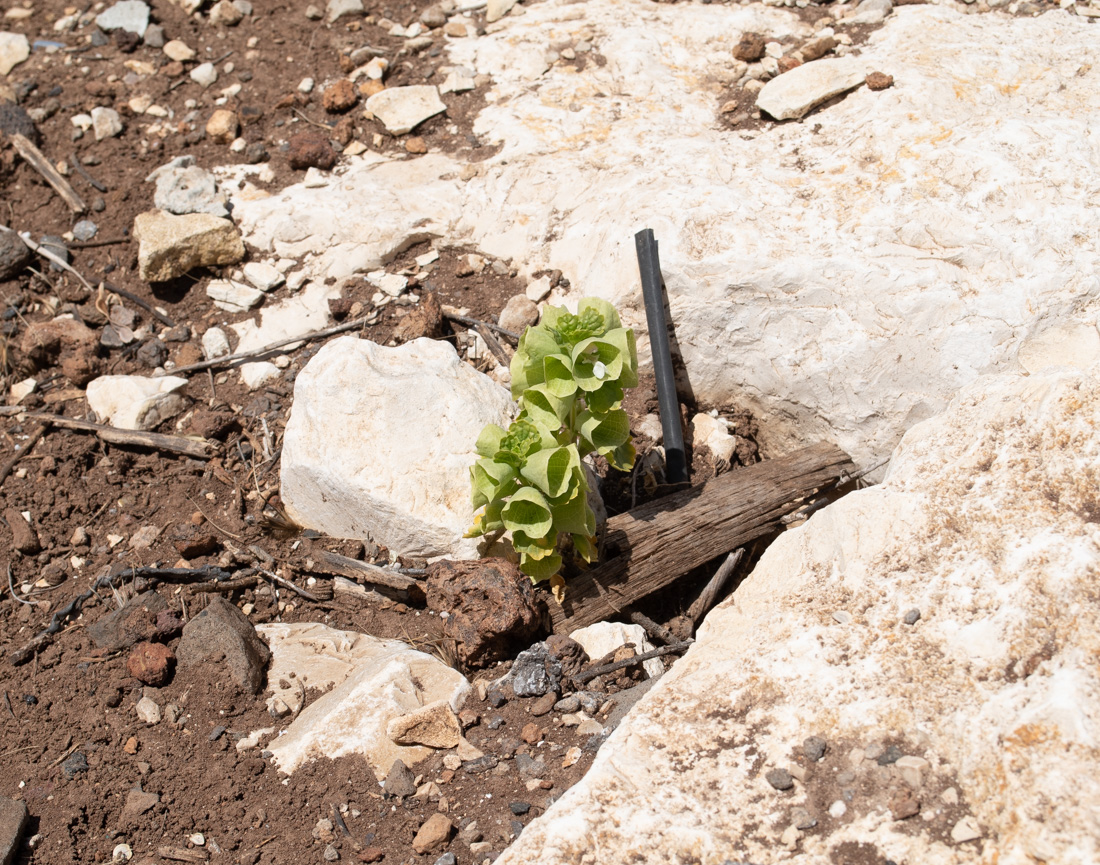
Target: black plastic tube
(649,266)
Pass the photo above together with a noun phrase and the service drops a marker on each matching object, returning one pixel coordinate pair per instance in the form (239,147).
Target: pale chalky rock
(14,49)
(179,51)
(713,433)
(988,524)
(170,246)
(337,9)
(234,296)
(497,9)
(134,401)
(1070,344)
(434,725)
(368,682)
(183,187)
(262,275)
(380,442)
(862,303)
(131,15)
(870,12)
(205,75)
(794,93)
(603,638)
(519,313)
(402,109)
(215,343)
(106,123)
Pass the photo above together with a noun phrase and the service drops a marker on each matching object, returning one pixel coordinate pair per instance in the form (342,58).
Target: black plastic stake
(653,291)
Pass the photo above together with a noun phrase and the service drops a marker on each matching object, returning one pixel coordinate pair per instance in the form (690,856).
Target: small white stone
(837,809)
(179,51)
(106,123)
(234,296)
(21,389)
(306,85)
(197,839)
(966,830)
(427,258)
(215,343)
(376,68)
(950,796)
(147,711)
(122,853)
(204,75)
(392,284)
(264,276)
(538,289)
(81,121)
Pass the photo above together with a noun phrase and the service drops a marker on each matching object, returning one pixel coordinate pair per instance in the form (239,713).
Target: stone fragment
(134,401)
(310,149)
(170,246)
(456,29)
(14,49)
(434,726)
(535,672)
(154,36)
(780,779)
(433,16)
(400,782)
(225,14)
(603,638)
(24,537)
(543,704)
(64,342)
(402,109)
(492,608)
(569,653)
(903,804)
(204,75)
(233,296)
(134,622)
(15,120)
(106,123)
(223,126)
(12,823)
(435,832)
(750,48)
(518,314)
(879,81)
(129,15)
(221,635)
(395,465)
(497,9)
(425,320)
(337,9)
(182,187)
(75,764)
(14,255)
(339,97)
(179,51)
(151,663)
(147,711)
(814,748)
(215,343)
(138,802)
(966,829)
(262,275)
(795,93)
(870,12)
(715,435)
(367,682)
(1069,344)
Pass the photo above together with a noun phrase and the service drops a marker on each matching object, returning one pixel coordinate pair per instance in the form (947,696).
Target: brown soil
(87,499)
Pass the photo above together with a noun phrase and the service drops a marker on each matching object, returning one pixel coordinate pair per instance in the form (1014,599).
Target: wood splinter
(37,160)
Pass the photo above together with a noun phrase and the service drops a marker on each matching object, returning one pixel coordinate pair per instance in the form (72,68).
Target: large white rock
(988,523)
(369,682)
(794,93)
(14,49)
(842,278)
(134,401)
(380,442)
(402,109)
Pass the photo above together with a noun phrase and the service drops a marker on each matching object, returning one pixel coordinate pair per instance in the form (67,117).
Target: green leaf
(596,362)
(558,376)
(571,329)
(527,511)
(585,545)
(623,339)
(526,367)
(604,431)
(544,408)
(574,515)
(552,470)
(488,443)
(540,569)
(603,308)
(621,457)
(490,480)
(607,398)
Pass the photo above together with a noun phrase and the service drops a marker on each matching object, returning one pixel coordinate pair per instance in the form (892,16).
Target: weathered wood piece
(651,546)
(37,160)
(362,572)
(707,598)
(134,438)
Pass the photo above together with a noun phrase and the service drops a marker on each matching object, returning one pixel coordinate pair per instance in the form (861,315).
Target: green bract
(568,376)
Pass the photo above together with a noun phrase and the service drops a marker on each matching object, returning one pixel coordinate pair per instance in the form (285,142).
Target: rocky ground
(120,751)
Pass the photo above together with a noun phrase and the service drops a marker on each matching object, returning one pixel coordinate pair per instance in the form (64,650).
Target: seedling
(568,376)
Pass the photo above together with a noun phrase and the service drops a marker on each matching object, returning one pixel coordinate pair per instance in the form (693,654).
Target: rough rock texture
(380,441)
(492,608)
(434,725)
(368,682)
(183,187)
(14,253)
(794,93)
(842,278)
(135,401)
(980,715)
(24,536)
(14,49)
(64,341)
(134,622)
(222,635)
(13,820)
(151,663)
(603,638)
(402,109)
(170,246)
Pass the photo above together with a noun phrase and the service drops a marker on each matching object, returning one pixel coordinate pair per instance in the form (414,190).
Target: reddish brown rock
(25,538)
(879,81)
(903,804)
(344,131)
(786,64)
(198,545)
(569,653)
(426,319)
(750,48)
(66,342)
(151,663)
(416,145)
(311,149)
(435,832)
(493,608)
(339,97)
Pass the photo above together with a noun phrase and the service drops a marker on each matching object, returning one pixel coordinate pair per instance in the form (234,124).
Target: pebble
(966,830)
(122,853)
(544,704)
(879,81)
(129,15)
(841,617)
(264,276)
(837,809)
(912,617)
(147,711)
(215,343)
(75,764)
(204,75)
(331,854)
(179,51)
(814,748)
(446,859)
(890,756)
(105,123)
(780,779)
(568,704)
(803,819)
(306,85)
(154,36)
(310,149)
(400,782)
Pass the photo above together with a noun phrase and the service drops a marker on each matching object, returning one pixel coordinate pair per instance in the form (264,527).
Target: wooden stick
(713,589)
(148,307)
(228,359)
(26,449)
(38,161)
(450,313)
(615,666)
(95,184)
(495,347)
(361,572)
(660,541)
(658,632)
(133,438)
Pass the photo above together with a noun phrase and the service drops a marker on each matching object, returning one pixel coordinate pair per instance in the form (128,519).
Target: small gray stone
(331,854)
(780,779)
(131,15)
(519,808)
(568,705)
(14,254)
(400,783)
(338,9)
(912,617)
(85,230)
(814,748)
(481,764)
(154,36)
(183,187)
(221,634)
(433,16)
(802,819)
(53,244)
(14,120)
(446,859)
(75,764)
(890,756)
(535,672)
(529,767)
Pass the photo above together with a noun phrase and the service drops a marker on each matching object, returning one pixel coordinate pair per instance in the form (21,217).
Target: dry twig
(134,438)
(37,160)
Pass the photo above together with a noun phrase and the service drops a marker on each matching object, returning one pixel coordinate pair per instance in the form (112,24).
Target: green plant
(568,376)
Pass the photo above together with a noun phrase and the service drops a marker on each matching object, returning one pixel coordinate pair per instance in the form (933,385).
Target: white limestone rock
(497,9)
(184,187)
(794,93)
(132,15)
(215,343)
(233,296)
(380,442)
(106,123)
(134,401)
(715,434)
(843,291)
(988,523)
(603,638)
(338,9)
(368,683)
(1071,344)
(262,275)
(14,49)
(402,109)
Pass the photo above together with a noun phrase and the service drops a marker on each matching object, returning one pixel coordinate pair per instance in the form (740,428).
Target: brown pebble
(546,784)
(446,776)
(344,131)
(416,145)
(468,718)
(197,519)
(311,149)
(750,48)
(879,81)
(903,804)
(200,545)
(371,86)
(339,97)
(131,746)
(786,64)
(531,733)
(151,663)
(24,536)
(544,704)
(371,854)
(172,70)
